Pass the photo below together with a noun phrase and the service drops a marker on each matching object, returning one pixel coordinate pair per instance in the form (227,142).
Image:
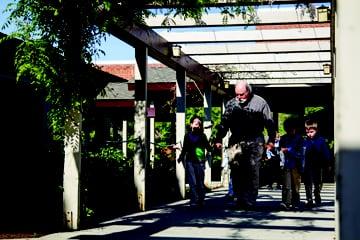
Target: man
(245,115)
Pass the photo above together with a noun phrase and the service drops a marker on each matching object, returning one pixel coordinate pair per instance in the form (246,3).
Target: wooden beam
(294,24)
(159,49)
(272,70)
(234,3)
(192,41)
(273,62)
(256,53)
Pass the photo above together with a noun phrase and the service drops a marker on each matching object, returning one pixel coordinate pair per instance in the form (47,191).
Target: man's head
(242,91)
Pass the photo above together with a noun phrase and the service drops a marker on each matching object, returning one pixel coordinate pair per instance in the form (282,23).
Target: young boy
(317,157)
(292,154)
(193,151)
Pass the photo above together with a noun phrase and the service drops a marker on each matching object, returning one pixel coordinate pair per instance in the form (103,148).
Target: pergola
(284,53)
(285,47)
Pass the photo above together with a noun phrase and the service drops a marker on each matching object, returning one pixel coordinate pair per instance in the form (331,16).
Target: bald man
(246,115)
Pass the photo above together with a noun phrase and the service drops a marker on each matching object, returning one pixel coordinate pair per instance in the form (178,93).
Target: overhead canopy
(285,45)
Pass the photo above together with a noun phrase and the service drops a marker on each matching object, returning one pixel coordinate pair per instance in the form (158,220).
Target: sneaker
(318,201)
(285,207)
(295,207)
(245,206)
(309,204)
(200,203)
(230,197)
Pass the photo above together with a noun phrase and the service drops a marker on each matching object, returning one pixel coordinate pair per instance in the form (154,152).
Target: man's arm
(223,127)
(269,123)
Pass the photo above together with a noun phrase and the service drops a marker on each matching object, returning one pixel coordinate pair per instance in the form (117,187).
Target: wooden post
(140,127)
(207,131)
(152,135)
(225,173)
(124,138)
(72,169)
(180,125)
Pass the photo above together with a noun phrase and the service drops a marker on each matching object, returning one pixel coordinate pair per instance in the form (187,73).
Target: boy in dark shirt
(317,157)
(292,157)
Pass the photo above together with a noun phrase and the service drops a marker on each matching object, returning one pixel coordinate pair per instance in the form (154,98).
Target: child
(317,157)
(193,151)
(292,154)
(273,160)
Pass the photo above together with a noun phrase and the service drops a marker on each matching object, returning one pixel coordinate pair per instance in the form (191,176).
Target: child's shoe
(285,207)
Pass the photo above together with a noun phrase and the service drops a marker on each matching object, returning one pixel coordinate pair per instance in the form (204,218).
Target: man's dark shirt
(246,121)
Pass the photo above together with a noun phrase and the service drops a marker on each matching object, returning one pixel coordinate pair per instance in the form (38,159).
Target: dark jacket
(246,121)
(294,157)
(317,152)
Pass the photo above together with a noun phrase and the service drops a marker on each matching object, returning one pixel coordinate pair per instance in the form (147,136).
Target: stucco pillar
(124,138)
(347,118)
(140,127)
(207,131)
(72,170)
(180,126)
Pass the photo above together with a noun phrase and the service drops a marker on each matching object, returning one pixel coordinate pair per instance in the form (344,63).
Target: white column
(225,174)
(347,118)
(124,138)
(72,169)
(180,126)
(152,139)
(207,131)
(140,127)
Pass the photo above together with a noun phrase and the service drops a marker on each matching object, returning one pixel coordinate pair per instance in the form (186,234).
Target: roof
(158,74)
(116,91)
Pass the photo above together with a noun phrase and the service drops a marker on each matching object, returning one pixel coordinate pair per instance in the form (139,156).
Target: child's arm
(325,153)
(282,159)
(184,149)
(208,149)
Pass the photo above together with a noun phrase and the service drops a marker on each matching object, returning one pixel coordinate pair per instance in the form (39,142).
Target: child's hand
(208,157)
(286,149)
(218,145)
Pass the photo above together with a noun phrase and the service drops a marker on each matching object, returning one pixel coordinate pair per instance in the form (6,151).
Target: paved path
(218,220)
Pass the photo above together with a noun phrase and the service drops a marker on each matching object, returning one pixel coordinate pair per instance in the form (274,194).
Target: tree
(58,40)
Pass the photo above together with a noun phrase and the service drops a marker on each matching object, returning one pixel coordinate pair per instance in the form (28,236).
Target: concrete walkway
(219,220)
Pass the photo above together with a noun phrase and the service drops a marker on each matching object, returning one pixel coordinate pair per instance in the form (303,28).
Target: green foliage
(282,118)
(106,175)
(108,154)
(59,39)
(309,111)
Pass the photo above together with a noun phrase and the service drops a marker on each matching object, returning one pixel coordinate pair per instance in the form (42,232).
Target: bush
(107,185)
